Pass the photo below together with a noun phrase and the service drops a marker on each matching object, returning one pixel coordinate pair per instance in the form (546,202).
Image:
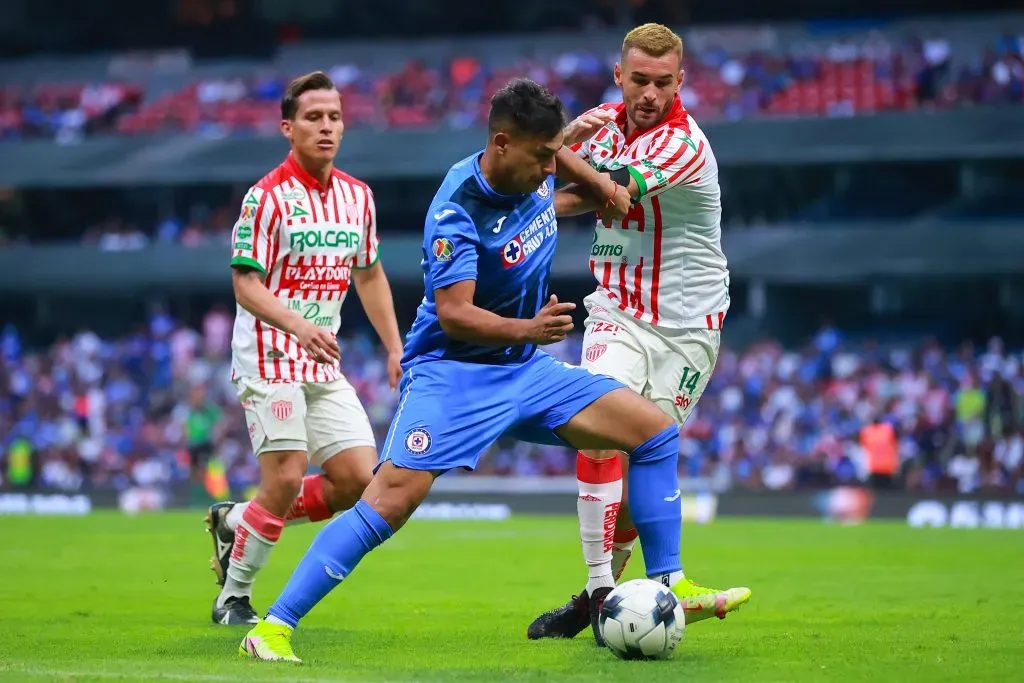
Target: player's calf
(388,502)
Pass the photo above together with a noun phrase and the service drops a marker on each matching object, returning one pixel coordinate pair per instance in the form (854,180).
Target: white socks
(600,495)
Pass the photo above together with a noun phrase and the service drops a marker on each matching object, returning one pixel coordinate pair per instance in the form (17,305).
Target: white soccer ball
(642,619)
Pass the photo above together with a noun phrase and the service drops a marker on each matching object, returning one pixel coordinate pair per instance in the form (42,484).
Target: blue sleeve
(451,245)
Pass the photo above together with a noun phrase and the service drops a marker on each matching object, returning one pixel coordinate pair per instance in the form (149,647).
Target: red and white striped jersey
(305,239)
(663,263)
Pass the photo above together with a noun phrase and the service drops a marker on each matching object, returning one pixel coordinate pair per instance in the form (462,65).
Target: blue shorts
(450,412)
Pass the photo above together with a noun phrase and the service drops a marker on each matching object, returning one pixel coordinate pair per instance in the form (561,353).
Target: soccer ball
(642,619)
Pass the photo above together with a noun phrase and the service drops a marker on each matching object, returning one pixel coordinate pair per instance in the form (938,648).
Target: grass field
(109,597)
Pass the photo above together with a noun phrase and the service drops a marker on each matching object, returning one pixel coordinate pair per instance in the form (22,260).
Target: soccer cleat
(269,642)
(594,605)
(562,622)
(701,603)
(223,539)
(236,611)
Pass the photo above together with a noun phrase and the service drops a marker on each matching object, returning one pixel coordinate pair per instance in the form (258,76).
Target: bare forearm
(253,296)
(468,323)
(572,169)
(573,200)
(375,294)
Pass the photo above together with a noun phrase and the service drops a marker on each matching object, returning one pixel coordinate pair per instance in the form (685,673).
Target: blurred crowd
(864,73)
(143,409)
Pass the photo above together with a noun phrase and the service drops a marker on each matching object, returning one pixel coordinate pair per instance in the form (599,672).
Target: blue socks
(335,552)
(654,501)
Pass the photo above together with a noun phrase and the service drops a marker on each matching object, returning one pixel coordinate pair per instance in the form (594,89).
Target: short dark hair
(528,108)
(316,80)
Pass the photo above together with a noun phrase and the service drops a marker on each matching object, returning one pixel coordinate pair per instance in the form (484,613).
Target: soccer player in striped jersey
(306,231)
(655,321)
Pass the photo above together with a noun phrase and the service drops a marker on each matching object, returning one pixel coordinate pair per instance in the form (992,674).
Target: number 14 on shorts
(687,387)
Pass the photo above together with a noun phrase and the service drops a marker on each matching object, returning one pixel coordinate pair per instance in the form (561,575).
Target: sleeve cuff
(371,264)
(639,178)
(246,262)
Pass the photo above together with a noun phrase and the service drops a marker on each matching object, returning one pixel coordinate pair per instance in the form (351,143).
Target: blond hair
(654,40)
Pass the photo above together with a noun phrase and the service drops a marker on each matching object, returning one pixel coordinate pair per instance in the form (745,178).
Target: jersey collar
(676,115)
(486,188)
(292,165)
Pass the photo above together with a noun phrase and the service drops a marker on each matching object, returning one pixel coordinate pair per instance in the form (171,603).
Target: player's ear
(617,75)
(286,129)
(501,141)
(681,78)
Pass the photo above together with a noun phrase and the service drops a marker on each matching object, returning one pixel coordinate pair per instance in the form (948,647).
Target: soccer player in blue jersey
(475,370)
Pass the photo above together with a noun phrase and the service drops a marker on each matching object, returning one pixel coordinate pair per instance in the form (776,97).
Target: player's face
(527,161)
(649,86)
(315,133)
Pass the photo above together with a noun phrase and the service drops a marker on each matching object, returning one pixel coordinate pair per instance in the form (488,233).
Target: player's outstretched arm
(462,320)
(252,295)
(595,190)
(375,294)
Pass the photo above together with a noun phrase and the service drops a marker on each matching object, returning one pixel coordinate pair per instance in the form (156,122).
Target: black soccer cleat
(562,622)
(223,539)
(594,606)
(236,611)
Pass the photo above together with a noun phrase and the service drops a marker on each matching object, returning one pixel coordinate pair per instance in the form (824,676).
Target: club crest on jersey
(544,191)
(282,410)
(595,351)
(417,441)
(351,213)
(512,252)
(443,249)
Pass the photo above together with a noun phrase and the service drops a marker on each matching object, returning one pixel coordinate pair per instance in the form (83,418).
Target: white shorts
(669,367)
(320,418)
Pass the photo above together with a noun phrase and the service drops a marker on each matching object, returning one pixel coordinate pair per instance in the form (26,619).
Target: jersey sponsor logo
(331,239)
(251,200)
(244,232)
(544,191)
(243,246)
(294,195)
(309,278)
(512,253)
(282,410)
(443,249)
(595,351)
(310,311)
(530,238)
(417,441)
(497,228)
(298,212)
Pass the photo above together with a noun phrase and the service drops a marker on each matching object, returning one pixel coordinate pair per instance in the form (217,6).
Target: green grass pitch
(115,598)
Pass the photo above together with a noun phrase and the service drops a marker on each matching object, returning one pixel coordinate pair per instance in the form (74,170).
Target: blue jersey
(503,242)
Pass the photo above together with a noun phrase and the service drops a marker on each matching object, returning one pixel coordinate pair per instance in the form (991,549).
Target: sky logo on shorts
(417,441)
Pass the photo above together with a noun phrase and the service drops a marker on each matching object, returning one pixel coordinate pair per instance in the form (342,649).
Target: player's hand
(582,127)
(552,323)
(319,343)
(394,368)
(621,203)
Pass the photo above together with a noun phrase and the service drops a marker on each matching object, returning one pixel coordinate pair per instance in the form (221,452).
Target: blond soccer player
(306,232)
(654,322)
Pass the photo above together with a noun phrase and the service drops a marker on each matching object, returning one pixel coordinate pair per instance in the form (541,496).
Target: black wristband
(620,176)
